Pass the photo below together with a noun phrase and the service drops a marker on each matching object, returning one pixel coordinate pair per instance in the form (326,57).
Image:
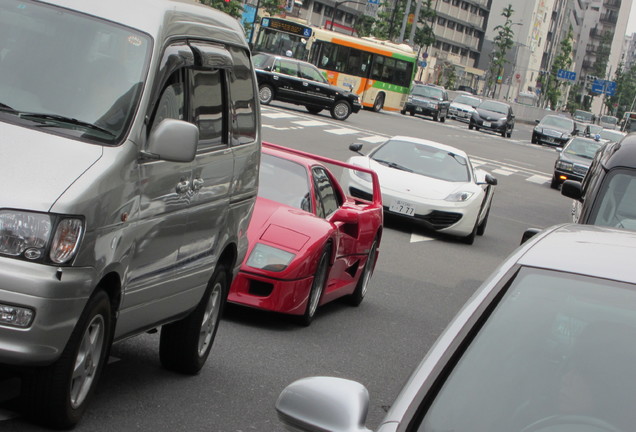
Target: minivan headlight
(30,235)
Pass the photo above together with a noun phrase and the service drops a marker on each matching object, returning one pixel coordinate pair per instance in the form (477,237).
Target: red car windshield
(284,181)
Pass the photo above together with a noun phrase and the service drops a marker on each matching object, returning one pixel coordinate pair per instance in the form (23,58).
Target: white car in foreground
(428,182)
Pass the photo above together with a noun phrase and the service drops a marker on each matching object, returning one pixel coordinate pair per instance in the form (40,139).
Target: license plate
(550,140)
(487,124)
(418,109)
(402,207)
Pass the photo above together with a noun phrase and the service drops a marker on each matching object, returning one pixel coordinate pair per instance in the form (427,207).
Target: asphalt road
(421,281)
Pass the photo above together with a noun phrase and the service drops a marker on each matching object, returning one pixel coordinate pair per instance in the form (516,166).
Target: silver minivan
(129,154)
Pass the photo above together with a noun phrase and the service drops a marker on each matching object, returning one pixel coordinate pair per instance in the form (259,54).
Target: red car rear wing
(377,194)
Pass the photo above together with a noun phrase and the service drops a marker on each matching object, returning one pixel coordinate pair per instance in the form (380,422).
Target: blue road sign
(566,75)
(377,2)
(603,86)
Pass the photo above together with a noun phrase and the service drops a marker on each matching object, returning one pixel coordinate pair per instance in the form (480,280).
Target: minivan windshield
(69,73)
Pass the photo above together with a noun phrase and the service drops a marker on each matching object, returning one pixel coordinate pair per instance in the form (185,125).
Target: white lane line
(477,162)
(538,179)
(310,123)
(503,172)
(416,238)
(374,139)
(342,131)
(278,115)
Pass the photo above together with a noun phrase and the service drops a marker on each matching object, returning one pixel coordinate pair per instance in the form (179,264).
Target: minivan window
(208,107)
(243,97)
(75,74)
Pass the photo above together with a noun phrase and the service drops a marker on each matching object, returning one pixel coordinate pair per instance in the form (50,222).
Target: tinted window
(560,122)
(497,107)
(557,344)
(243,98)
(208,107)
(328,200)
(428,91)
(171,102)
(286,67)
(616,202)
(311,73)
(582,147)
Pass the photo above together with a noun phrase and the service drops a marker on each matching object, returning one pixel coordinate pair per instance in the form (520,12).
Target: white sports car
(426,181)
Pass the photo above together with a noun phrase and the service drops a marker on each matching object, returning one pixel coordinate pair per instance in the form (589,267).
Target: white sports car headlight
(459,196)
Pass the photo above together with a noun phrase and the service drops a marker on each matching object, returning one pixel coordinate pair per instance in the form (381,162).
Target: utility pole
(416,17)
(404,20)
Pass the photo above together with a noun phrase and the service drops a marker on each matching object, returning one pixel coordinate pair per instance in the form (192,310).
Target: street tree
(231,7)
(503,41)
(550,85)
(623,99)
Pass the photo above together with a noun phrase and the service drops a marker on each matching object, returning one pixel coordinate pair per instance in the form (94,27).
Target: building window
(451,25)
(317,7)
(459,28)
(445,47)
(441,21)
(465,6)
(455,49)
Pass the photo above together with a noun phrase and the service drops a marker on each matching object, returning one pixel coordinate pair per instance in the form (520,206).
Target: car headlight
(409,99)
(564,166)
(538,130)
(269,258)
(29,235)
(566,136)
(459,196)
(363,175)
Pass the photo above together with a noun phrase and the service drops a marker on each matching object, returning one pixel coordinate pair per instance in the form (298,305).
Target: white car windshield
(423,159)
(555,354)
(72,72)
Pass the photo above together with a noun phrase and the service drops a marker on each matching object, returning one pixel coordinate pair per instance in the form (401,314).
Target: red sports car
(309,243)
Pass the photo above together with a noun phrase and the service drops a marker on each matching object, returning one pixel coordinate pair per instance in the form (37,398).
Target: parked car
(574,159)
(301,83)
(427,183)
(612,135)
(584,116)
(544,345)
(309,243)
(428,100)
(607,195)
(553,130)
(130,147)
(462,107)
(608,122)
(494,116)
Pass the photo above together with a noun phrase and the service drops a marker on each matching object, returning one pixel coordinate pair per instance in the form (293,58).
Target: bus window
(358,63)
(378,66)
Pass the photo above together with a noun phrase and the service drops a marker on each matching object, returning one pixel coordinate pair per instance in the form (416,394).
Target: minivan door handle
(197,184)
(183,186)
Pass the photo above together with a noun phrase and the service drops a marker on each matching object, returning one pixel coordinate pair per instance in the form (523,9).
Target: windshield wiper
(393,165)
(42,117)
(5,107)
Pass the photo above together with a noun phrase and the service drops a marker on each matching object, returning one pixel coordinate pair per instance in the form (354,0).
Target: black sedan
(301,83)
(554,130)
(494,116)
(428,100)
(574,160)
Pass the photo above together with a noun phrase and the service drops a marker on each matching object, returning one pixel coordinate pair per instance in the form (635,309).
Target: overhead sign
(566,75)
(286,26)
(604,87)
(377,2)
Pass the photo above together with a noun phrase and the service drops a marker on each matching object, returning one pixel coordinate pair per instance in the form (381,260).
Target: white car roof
(585,249)
(440,146)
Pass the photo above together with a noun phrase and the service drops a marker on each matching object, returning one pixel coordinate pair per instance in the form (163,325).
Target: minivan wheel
(265,94)
(57,395)
(341,110)
(185,344)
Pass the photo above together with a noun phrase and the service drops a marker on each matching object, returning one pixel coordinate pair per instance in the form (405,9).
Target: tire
(470,126)
(341,110)
(313,110)
(435,117)
(442,119)
(185,344)
(554,184)
(317,287)
(378,104)
(504,132)
(57,395)
(412,113)
(470,238)
(363,283)
(509,134)
(481,229)
(476,128)
(533,140)
(265,94)
(403,111)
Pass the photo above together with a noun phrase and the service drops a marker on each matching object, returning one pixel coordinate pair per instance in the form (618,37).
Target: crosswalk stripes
(342,131)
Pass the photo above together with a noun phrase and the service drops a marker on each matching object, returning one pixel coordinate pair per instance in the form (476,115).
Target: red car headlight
(269,258)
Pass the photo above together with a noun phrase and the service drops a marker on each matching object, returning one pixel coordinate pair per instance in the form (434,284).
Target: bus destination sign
(286,26)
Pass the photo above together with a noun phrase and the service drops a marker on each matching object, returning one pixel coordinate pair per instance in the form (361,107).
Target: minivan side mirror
(161,143)
(324,404)
(572,189)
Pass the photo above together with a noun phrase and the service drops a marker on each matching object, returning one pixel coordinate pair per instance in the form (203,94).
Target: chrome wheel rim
(368,270)
(319,283)
(265,94)
(341,110)
(210,318)
(87,360)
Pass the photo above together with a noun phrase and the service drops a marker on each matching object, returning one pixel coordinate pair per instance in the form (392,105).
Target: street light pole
(337,5)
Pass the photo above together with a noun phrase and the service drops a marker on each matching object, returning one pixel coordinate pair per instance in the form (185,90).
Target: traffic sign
(422,63)
(566,75)
(604,87)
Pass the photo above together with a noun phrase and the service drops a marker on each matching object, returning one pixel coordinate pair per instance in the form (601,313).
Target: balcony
(591,49)
(612,4)
(609,19)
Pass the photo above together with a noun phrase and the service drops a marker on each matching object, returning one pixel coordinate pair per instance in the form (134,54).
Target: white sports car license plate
(403,207)
(487,124)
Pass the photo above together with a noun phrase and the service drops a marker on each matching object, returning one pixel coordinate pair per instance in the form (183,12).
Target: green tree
(625,94)
(599,69)
(231,7)
(502,43)
(551,85)
(364,25)
(390,16)
(451,77)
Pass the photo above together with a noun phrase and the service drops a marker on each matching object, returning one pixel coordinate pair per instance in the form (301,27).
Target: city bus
(379,72)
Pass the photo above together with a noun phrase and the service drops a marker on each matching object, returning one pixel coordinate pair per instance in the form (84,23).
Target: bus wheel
(379,102)
(341,110)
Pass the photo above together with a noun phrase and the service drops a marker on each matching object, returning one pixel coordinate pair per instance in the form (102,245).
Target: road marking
(477,162)
(374,139)
(503,172)
(310,123)
(416,238)
(538,179)
(342,131)
(278,115)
